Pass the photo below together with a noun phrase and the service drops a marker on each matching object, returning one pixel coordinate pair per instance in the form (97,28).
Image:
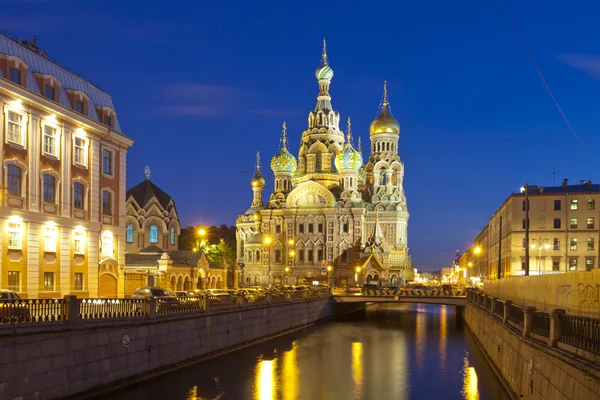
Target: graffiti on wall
(563,292)
(588,295)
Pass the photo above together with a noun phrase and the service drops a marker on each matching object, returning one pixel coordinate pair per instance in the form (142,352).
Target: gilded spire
(258,162)
(284,135)
(324,54)
(385,95)
(359,146)
(349,131)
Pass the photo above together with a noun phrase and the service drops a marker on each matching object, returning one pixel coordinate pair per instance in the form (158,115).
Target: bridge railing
(572,333)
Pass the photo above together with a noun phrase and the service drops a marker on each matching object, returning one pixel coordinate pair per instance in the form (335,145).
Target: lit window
(15,235)
(50,141)
(15,75)
(49,186)
(50,239)
(573,223)
(589,264)
(107,244)
(14,180)
(129,233)
(79,146)
(14,281)
(78,196)
(79,107)
(106,203)
(591,204)
(555,265)
(573,243)
(590,222)
(556,244)
(78,242)
(78,281)
(318,162)
(172,236)
(107,120)
(50,92)
(49,281)
(107,162)
(277,256)
(574,204)
(573,264)
(15,128)
(590,243)
(153,234)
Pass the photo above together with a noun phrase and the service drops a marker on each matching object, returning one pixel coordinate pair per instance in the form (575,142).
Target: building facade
(328,207)
(563,233)
(63,164)
(153,257)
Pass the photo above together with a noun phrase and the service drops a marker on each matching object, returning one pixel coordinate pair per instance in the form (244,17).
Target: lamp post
(267,242)
(357,271)
(287,269)
(292,254)
(201,232)
(476,251)
(540,244)
(329,268)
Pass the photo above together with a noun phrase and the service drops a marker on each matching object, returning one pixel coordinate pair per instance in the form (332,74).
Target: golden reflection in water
(420,334)
(443,337)
(290,375)
(357,368)
(470,391)
(264,380)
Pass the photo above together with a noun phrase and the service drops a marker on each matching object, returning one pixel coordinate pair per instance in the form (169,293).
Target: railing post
(152,308)
(242,301)
(269,298)
(71,309)
(493,307)
(507,304)
(528,320)
(555,326)
(206,302)
(288,296)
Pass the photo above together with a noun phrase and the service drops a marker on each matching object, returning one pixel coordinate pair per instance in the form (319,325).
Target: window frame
(591,204)
(79,237)
(9,180)
(22,126)
(49,274)
(573,264)
(54,139)
(588,224)
(573,222)
(110,174)
(19,75)
(77,102)
(556,244)
(557,205)
(75,286)
(573,244)
(15,228)
(50,238)
(83,161)
(54,187)
(75,191)
(172,236)
(574,204)
(151,232)
(557,223)
(12,286)
(591,244)
(103,203)
(128,232)
(52,90)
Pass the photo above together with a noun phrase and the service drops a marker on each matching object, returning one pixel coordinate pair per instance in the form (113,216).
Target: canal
(409,351)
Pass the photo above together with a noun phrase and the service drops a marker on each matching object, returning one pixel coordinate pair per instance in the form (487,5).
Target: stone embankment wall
(575,292)
(50,360)
(528,368)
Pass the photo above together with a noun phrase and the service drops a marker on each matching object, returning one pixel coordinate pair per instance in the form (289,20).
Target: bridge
(451,298)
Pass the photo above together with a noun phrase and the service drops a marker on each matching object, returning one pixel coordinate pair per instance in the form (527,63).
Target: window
(573,264)
(50,239)
(590,222)
(107,120)
(573,223)
(14,180)
(78,281)
(310,228)
(277,256)
(590,243)
(320,228)
(78,196)
(301,228)
(311,255)
(14,235)
(318,162)
(15,75)
(107,162)
(79,242)
(345,227)
(555,265)
(49,281)
(49,186)
(589,264)
(301,256)
(345,256)
(556,205)
(14,281)
(15,128)
(573,243)
(153,234)
(172,236)
(79,107)
(129,233)
(574,204)
(106,240)
(106,203)
(556,244)
(277,228)
(320,255)
(50,92)
(557,223)
(50,147)
(591,204)
(79,146)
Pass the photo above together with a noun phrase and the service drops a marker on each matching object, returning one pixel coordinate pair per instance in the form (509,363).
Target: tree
(218,244)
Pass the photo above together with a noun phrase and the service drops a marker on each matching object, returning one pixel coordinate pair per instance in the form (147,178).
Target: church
(332,216)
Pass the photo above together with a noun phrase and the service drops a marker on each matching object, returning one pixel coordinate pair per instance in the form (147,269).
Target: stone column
(507,304)
(555,326)
(528,320)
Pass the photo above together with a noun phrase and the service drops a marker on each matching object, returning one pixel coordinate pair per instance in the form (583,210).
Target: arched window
(172,236)
(333,168)
(383,176)
(153,234)
(318,162)
(129,233)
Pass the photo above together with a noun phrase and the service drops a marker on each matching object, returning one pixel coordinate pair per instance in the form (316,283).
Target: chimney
(541,189)
(589,185)
(564,184)
(582,182)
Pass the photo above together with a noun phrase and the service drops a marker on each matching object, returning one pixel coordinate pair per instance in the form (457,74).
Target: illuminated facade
(563,233)
(63,180)
(328,207)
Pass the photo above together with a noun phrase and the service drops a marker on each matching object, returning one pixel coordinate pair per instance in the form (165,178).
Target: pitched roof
(144,191)
(152,249)
(142,259)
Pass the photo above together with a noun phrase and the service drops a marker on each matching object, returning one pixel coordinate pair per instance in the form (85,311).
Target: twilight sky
(202,85)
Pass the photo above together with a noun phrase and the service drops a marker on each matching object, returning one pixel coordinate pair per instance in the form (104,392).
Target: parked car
(165,298)
(220,296)
(353,289)
(11,309)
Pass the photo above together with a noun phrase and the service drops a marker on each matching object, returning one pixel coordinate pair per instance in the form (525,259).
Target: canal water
(408,351)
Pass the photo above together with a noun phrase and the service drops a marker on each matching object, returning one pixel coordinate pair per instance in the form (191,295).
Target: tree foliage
(218,244)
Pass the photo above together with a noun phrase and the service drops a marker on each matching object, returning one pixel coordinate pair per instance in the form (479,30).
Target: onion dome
(348,158)
(283,161)
(324,71)
(385,123)
(257,180)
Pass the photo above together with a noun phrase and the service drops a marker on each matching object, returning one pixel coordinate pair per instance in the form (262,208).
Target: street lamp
(329,268)
(292,253)
(540,244)
(357,269)
(267,242)
(287,269)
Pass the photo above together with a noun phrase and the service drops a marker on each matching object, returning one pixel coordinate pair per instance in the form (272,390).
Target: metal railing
(32,310)
(516,315)
(498,308)
(581,332)
(540,323)
(111,308)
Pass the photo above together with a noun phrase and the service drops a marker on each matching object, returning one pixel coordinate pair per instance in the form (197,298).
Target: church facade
(332,214)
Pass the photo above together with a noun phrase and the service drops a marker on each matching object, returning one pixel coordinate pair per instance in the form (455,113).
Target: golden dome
(385,123)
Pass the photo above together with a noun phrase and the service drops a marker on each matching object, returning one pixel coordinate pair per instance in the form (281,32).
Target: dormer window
(106,115)
(49,86)
(15,76)
(14,69)
(50,93)
(79,107)
(107,120)
(79,100)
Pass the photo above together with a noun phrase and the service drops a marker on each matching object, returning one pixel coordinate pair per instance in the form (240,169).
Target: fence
(575,334)
(71,309)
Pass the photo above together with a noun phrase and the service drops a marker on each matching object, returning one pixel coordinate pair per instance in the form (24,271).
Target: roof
(142,259)
(179,258)
(68,80)
(583,187)
(144,191)
(152,249)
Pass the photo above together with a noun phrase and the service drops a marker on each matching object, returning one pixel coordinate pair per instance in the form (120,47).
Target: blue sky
(202,85)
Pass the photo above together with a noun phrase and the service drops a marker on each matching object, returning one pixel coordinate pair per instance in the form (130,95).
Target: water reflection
(265,380)
(443,338)
(290,375)
(470,388)
(357,368)
(420,335)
